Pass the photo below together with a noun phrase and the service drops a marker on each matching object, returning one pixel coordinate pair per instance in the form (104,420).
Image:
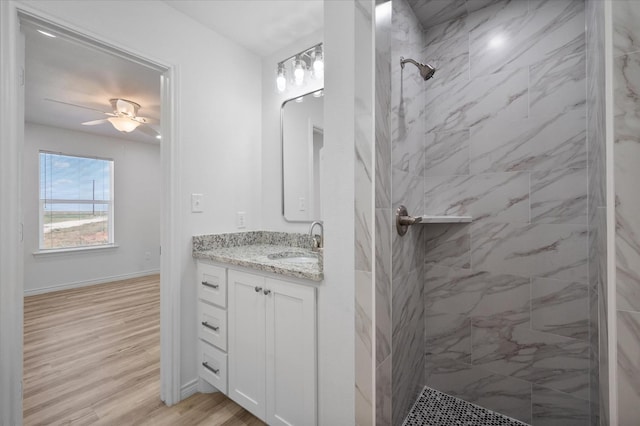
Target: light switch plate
(196,203)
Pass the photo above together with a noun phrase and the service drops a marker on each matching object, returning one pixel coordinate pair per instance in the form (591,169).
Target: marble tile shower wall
(363,218)
(407,162)
(383,229)
(626,110)
(596,125)
(506,298)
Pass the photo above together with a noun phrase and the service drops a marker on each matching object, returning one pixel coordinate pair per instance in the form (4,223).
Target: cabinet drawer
(213,366)
(212,325)
(212,284)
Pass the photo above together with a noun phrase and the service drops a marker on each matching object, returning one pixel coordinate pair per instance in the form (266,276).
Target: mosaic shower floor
(435,408)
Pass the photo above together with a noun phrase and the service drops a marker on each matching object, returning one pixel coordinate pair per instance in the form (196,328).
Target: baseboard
(188,389)
(78,284)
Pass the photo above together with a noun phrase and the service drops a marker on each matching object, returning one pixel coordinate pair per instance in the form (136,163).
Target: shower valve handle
(403,220)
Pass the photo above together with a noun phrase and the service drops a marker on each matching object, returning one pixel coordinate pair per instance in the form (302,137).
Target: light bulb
(281,80)
(318,64)
(298,73)
(318,69)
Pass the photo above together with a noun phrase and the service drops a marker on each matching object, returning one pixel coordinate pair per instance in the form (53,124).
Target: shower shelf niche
(444,219)
(403,220)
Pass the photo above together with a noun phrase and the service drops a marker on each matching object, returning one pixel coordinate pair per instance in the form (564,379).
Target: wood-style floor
(92,357)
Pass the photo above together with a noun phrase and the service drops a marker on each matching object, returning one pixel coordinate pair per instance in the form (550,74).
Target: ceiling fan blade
(147,120)
(77,106)
(94,122)
(148,130)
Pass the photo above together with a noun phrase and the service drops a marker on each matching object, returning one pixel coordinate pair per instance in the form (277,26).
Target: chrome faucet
(318,240)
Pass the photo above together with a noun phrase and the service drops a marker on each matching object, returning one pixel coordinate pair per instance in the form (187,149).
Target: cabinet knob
(258,289)
(266,292)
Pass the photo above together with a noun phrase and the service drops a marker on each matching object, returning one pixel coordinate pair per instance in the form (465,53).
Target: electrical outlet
(302,204)
(196,203)
(241,220)
(147,256)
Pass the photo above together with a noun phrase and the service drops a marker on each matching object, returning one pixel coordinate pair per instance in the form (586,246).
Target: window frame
(109,203)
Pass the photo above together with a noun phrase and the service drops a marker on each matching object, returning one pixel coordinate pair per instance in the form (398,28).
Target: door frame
(11,246)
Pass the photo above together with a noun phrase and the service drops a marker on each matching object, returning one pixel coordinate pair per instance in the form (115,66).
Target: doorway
(91,215)
(12,280)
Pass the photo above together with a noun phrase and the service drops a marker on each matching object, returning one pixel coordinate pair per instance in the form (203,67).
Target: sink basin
(294,257)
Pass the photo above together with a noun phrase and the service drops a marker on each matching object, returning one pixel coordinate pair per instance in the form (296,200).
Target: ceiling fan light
(123,124)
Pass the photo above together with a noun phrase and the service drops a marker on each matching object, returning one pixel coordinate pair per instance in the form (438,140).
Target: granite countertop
(261,250)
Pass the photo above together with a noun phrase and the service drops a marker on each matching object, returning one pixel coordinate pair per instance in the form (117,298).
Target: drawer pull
(213,370)
(206,324)
(267,292)
(206,284)
(258,289)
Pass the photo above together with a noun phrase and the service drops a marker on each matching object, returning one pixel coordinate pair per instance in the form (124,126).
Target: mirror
(301,130)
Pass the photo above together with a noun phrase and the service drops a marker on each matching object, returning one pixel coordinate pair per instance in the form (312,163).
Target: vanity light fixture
(296,66)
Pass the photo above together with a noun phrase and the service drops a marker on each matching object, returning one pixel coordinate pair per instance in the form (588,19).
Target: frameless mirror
(301,130)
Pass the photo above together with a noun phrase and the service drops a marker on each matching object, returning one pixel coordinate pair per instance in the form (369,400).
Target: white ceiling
(262,26)
(70,71)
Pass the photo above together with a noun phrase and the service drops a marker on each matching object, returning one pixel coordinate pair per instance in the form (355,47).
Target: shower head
(426,70)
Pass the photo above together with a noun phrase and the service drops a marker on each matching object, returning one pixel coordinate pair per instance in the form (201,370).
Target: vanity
(257,333)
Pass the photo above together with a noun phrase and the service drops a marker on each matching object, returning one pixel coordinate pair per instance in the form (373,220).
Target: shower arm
(404,61)
(426,70)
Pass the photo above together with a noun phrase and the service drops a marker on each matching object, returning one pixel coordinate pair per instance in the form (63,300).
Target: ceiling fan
(124,117)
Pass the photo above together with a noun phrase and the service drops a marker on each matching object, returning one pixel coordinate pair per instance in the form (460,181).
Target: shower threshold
(434,408)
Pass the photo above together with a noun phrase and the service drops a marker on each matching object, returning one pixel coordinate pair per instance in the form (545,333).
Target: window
(76,201)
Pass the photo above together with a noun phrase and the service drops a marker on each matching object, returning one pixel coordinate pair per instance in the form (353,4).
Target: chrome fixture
(318,240)
(426,70)
(307,63)
(403,220)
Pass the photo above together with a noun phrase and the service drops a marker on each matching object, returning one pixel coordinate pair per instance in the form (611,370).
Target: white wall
(218,120)
(271,153)
(136,214)
(336,313)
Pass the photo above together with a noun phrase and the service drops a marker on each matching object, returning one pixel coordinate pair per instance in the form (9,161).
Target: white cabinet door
(291,354)
(246,349)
